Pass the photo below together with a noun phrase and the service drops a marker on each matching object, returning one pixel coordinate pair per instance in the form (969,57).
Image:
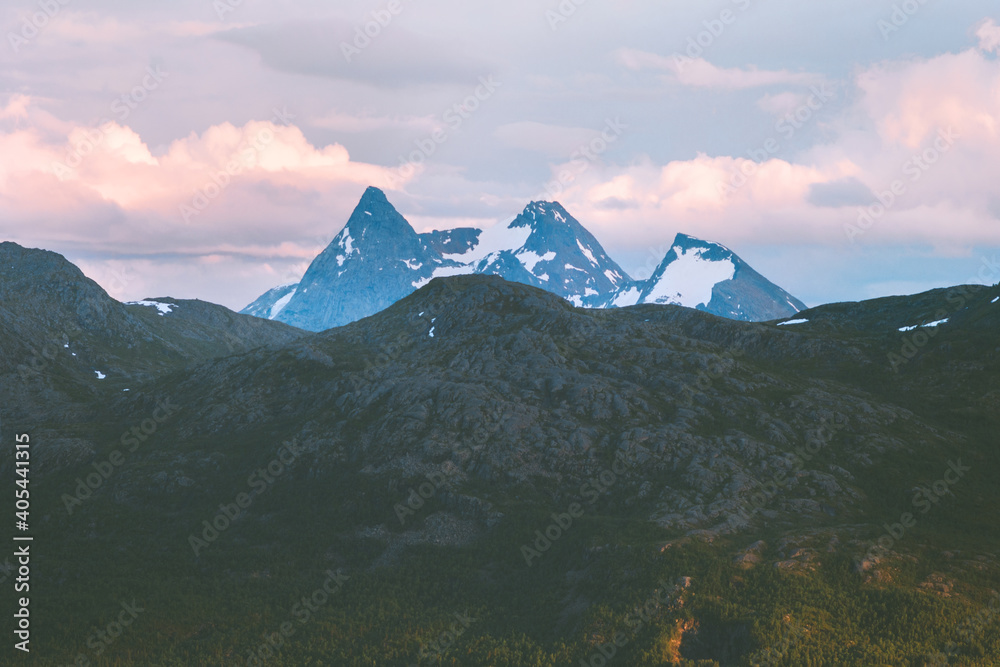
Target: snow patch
(586,252)
(280,304)
(164,308)
(629,297)
(444,272)
(347,245)
(689,279)
(929,324)
(431,333)
(995,300)
(496,239)
(781,324)
(530,259)
(100,375)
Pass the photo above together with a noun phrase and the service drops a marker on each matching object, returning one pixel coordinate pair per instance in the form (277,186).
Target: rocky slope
(737,474)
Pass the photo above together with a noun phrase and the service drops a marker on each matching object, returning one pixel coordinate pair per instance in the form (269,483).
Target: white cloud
(698,72)
(988,33)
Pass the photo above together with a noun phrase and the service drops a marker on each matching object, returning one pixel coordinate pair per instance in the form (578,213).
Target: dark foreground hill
(484,475)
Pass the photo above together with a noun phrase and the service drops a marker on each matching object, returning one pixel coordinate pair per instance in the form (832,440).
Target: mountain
(546,247)
(485,474)
(57,323)
(375,260)
(378,259)
(270,303)
(712,278)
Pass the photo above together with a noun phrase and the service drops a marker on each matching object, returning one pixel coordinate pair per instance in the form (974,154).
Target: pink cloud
(256,193)
(911,100)
(112,164)
(988,33)
(928,127)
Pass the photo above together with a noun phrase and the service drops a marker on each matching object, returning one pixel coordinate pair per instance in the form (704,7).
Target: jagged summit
(547,247)
(710,277)
(372,263)
(378,258)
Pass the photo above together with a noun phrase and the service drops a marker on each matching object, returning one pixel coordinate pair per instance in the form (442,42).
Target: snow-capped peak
(709,276)
(688,278)
(377,258)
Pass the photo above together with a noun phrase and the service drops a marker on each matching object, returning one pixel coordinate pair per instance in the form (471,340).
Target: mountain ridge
(433,442)
(543,246)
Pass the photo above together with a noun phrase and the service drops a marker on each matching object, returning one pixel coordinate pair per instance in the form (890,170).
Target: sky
(208,149)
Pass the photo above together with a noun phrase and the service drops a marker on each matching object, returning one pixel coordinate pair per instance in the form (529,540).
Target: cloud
(698,72)
(782,104)
(354,123)
(988,33)
(395,58)
(844,192)
(219,192)
(911,100)
(551,140)
(926,127)
(17,107)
